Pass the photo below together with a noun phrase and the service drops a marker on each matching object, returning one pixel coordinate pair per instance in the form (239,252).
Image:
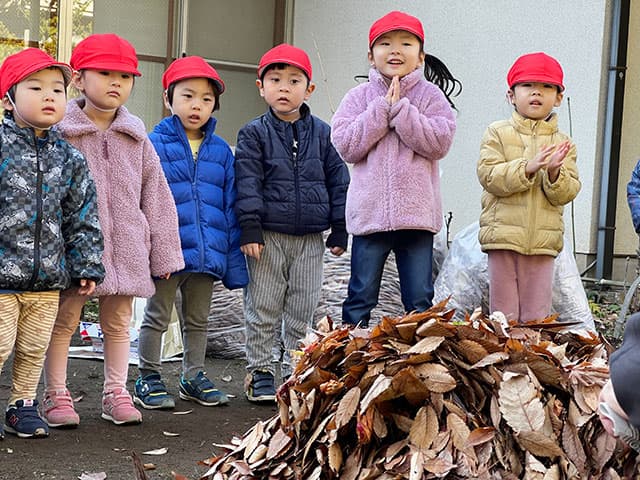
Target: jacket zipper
(294,154)
(532,210)
(38,220)
(196,197)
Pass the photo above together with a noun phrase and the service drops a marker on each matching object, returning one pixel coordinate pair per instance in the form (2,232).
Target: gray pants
(282,295)
(195,289)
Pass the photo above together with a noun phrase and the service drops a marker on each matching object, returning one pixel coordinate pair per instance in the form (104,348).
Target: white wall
(478,40)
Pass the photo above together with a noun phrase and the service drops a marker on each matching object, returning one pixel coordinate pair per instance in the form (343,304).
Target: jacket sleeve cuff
(337,238)
(252,234)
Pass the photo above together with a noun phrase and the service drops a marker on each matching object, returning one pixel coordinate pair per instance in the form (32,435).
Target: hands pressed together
(550,157)
(393,94)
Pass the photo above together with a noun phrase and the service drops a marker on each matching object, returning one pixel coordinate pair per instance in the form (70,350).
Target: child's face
(396,53)
(193,103)
(105,89)
(535,100)
(285,90)
(40,100)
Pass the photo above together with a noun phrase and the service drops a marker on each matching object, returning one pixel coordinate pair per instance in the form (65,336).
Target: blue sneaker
(23,420)
(261,387)
(151,393)
(202,390)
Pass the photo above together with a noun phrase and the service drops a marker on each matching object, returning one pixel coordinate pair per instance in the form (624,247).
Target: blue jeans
(413,250)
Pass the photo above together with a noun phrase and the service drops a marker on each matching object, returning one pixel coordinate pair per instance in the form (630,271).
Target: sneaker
(202,390)
(261,387)
(22,419)
(58,411)
(151,393)
(117,407)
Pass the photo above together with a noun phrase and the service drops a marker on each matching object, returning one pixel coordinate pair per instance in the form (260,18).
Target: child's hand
(556,160)
(252,250)
(166,276)
(539,161)
(337,251)
(393,94)
(87,287)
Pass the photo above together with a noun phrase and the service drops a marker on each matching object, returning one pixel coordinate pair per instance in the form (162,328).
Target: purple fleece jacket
(394,149)
(136,209)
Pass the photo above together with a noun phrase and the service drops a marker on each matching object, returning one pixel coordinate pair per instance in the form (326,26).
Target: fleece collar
(406,82)
(76,122)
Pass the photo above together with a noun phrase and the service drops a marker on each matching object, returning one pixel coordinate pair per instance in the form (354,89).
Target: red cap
(395,21)
(535,67)
(105,51)
(285,53)
(19,66)
(191,67)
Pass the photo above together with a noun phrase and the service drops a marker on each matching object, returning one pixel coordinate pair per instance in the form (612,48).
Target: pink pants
(520,285)
(115,318)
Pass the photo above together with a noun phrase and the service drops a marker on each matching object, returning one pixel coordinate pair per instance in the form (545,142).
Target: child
(394,130)
(137,215)
(619,409)
(49,231)
(291,187)
(527,168)
(199,168)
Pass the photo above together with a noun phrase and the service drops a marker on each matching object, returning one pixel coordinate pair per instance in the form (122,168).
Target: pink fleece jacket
(135,206)
(394,149)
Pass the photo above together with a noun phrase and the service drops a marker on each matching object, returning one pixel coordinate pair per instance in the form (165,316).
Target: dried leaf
(491,359)
(426,345)
(539,444)
(424,428)
(459,432)
(436,377)
(157,451)
(480,435)
(380,385)
(335,457)
(170,434)
(92,476)
(347,407)
(279,442)
(519,403)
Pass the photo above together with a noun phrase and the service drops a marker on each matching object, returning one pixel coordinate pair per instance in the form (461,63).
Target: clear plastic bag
(464,276)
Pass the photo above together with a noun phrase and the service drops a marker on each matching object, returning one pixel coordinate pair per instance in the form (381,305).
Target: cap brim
(113,67)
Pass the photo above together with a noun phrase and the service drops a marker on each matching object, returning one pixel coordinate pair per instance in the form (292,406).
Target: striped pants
(282,295)
(26,321)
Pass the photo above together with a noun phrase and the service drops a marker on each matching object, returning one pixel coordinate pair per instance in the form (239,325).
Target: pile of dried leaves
(422,397)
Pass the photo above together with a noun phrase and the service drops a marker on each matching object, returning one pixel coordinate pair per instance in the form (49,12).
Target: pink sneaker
(58,411)
(118,408)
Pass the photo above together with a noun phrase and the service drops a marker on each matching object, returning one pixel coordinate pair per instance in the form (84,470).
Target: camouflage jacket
(49,229)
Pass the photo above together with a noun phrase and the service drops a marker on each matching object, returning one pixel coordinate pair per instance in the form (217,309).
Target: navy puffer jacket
(286,193)
(204,192)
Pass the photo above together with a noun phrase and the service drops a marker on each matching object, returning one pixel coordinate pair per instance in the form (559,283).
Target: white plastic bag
(464,276)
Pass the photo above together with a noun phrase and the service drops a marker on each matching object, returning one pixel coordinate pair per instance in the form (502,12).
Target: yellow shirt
(195,146)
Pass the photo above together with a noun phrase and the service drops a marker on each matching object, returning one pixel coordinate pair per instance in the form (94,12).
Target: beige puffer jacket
(519,213)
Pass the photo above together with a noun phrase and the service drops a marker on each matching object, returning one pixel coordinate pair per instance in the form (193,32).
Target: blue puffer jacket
(204,192)
(283,192)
